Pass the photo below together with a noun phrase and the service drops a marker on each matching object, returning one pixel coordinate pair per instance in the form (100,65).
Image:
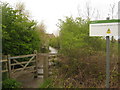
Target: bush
(19,34)
(75,40)
(11,83)
(54,42)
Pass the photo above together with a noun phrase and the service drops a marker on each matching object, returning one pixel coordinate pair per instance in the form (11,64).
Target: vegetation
(19,32)
(11,83)
(83,64)
(82,61)
(40,29)
(75,40)
(19,36)
(55,42)
(47,83)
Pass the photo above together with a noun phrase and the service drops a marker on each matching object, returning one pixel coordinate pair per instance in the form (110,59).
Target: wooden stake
(45,67)
(36,65)
(9,66)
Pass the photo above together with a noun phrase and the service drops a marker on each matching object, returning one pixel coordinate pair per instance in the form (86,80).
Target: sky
(50,11)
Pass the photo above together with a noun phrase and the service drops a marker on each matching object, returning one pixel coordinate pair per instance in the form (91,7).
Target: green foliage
(11,83)
(40,28)
(46,84)
(80,67)
(4,75)
(54,42)
(19,34)
(75,40)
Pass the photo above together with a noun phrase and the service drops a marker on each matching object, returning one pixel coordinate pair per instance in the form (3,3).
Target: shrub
(11,83)
(54,42)
(18,31)
(75,40)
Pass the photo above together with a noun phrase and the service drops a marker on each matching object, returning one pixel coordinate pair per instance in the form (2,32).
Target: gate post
(9,65)
(36,66)
(45,67)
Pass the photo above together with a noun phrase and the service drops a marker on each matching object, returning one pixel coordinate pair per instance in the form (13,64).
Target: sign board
(104,28)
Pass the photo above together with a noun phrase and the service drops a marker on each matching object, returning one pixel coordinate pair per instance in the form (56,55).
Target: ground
(26,77)
(28,80)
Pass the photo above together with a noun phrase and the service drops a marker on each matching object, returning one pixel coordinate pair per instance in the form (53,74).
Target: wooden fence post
(9,66)
(6,66)
(45,67)
(36,65)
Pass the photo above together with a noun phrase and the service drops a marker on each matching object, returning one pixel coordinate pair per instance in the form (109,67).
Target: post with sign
(107,61)
(105,28)
(108,57)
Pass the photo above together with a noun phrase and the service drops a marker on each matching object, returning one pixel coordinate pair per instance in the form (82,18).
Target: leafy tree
(75,40)
(19,34)
(40,28)
(54,42)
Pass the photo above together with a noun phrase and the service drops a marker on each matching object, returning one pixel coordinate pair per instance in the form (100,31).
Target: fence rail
(12,61)
(42,58)
(19,63)
(22,56)
(5,60)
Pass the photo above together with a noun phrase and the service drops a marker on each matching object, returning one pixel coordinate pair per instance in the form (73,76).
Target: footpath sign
(105,28)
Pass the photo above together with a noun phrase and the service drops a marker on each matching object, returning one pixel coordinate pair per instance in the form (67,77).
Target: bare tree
(21,7)
(97,15)
(41,28)
(89,11)
(112,9)
(79,11)
(119,10)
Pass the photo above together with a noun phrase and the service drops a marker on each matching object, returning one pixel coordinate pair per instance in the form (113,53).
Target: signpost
(105,28)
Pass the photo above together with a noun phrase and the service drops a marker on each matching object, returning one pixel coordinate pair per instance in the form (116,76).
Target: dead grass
(86,72)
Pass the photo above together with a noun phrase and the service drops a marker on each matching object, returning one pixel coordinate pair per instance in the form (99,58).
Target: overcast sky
(49,11)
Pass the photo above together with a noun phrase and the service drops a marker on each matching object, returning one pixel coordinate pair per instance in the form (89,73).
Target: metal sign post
(105,28)
(108,58)
(107,61)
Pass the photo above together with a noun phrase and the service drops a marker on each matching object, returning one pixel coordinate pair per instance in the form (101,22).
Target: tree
(54,42)
(112,9)
(75,40)
(19,34)
(89,12)
(40,28)
(21,9)
(97,15)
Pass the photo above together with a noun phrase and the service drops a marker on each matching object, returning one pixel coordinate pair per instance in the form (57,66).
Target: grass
(46,84)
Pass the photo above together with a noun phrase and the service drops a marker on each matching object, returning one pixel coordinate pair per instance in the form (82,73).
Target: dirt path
(28,80)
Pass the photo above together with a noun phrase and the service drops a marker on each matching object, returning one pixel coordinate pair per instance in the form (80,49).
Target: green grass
(46,84)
